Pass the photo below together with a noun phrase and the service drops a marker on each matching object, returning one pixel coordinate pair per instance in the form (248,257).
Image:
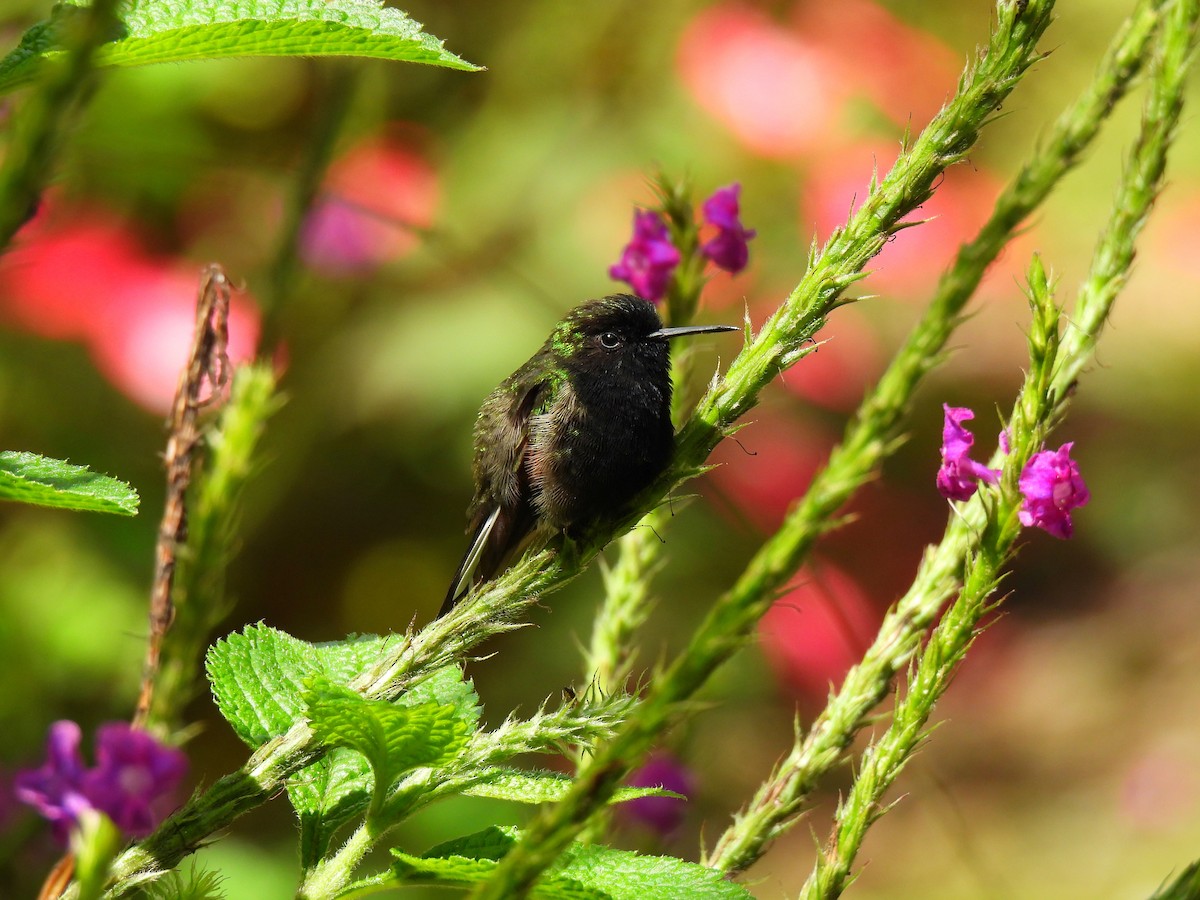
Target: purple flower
(959,475)
(338,238)
(728,249)
(1051,487)
(648,260)
(56,788)
(661,815)
(132,782)
(134,779)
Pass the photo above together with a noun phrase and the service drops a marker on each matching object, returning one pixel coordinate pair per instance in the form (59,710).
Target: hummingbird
(573,434)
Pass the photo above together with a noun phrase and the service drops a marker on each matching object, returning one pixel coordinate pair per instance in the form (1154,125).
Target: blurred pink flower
(375,200)
(1160,789)
(776,91)
(766,466)
(80,274)
(912,260)
(782,88)
(906,73)
(837,373)
(813,634)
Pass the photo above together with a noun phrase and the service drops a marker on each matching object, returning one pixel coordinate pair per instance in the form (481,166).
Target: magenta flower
(959,476)
(133,781)
(55,789)
(728,249)
(649,259)
(661,815)
(1051,487)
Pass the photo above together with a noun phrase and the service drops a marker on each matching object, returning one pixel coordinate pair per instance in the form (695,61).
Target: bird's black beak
(666,334)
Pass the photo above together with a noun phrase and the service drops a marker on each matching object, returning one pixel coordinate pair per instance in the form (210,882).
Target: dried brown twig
(200,385)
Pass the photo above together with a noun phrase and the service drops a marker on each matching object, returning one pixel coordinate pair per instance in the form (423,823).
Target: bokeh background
(463,214)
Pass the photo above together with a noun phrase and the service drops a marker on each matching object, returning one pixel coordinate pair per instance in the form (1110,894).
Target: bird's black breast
(600,443)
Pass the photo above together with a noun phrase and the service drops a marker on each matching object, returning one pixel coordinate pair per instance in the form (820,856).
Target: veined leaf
(259,679)
(393,737)
(29,478)
(522,786)
(588,871)
(173,30)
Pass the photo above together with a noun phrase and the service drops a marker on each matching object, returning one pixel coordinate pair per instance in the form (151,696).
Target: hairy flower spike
(649,259)
(132,782)
(1051,487)
(959,475)
(728,249)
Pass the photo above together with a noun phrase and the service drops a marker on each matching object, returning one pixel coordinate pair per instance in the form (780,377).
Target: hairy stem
(876,428)
(1042,403)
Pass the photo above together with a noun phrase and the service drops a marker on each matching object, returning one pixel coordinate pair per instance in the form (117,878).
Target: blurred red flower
(766,466)
(912,260)
(837,373)
(781,88)
(80,274)
(775,90)
(375,199)
(813,634)
(905,72)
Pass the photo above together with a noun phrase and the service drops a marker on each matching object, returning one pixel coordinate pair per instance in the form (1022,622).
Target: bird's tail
(495,537)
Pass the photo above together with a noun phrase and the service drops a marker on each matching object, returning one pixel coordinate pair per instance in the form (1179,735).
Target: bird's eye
(610,340)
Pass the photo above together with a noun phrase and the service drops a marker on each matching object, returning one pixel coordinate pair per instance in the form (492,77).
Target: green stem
(953,131)
(1042,403)
(1185,886)
(318,152)
(30,155)
(877,428)
(332,874)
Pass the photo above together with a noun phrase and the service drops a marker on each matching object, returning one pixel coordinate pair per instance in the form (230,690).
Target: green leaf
(173,30)
(29,478)
(467,861)
(259,679)
(393,737)
(522,786)
(583,871)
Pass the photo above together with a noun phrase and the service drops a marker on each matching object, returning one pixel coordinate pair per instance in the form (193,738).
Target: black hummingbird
(572,435)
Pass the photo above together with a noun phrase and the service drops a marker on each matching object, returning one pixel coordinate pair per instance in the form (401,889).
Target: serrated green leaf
(156,31)
(469,860)
(625,875)
(583,871)
(447,686)
(393,737)
(30,478)
(523,786)
(489,844)
(259,678)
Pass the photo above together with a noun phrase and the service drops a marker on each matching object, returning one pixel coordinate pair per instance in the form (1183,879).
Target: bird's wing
(501,512)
